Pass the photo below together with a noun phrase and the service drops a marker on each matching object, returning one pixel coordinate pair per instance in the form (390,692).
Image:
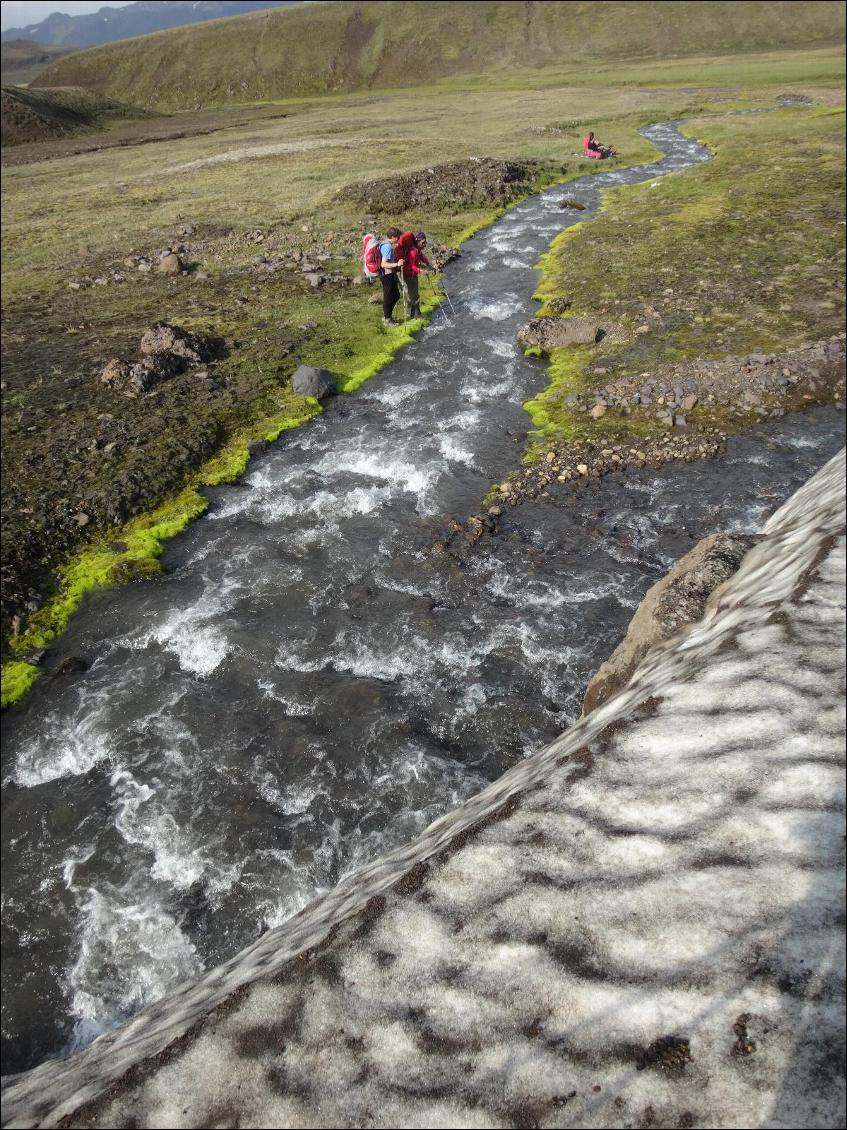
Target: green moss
(742,253)
(17,678)
(141,541)
(549,414)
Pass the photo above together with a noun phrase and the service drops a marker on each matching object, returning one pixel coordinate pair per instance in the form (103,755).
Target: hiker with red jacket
(414,260)
(592,148)
(390,265)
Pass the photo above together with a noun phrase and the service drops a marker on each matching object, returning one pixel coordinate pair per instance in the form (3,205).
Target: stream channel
(307,686)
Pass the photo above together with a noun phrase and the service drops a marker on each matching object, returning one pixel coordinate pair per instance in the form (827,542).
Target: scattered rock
(171,264)
(597,411)
(678,599)
(71,665)
(307,380)
(561,304)
(569,202)
(166,350)
(557,333)
(115,372)
(257,446)
(162,337)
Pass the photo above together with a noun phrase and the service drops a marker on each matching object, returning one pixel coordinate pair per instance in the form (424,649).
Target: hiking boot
(415,312)
(389,322)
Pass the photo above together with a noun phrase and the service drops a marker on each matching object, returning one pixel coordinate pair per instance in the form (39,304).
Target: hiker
(415,259)
(389,267)
(592,148)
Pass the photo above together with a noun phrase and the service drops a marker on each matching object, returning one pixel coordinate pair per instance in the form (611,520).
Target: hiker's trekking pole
(437,292)
(404,293)
(449,302)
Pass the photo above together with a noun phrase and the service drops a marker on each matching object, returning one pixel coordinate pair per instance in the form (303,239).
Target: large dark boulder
(307,380)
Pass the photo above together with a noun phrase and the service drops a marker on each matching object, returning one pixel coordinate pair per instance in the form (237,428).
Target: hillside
(22,59)
(346,46)
(108,24)
(38,115)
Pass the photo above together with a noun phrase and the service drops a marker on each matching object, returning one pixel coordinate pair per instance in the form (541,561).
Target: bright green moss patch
(548,411)
(17,678)
(132,551)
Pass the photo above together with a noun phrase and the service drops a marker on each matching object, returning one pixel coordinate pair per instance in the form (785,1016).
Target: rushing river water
(308,686)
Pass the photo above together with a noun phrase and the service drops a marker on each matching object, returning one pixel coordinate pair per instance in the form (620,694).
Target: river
(307,686)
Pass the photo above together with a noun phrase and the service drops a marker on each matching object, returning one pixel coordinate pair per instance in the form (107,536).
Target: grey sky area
(21,13)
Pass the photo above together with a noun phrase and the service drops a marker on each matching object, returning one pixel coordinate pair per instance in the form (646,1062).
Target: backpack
(371,256)
(404,244)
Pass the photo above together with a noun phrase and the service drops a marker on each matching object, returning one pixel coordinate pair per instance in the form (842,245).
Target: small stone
(645,329)
(75,285)
(597,411)
(81,519)
(582,468)
(170,264)
(100,281)
(144,266)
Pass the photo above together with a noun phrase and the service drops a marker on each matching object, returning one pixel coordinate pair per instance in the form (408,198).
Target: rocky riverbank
(678,413)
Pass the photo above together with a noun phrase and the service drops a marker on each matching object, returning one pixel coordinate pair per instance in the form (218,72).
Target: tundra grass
(740,254)
(271,185)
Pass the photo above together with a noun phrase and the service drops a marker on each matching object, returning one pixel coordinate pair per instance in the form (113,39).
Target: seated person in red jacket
(592,148)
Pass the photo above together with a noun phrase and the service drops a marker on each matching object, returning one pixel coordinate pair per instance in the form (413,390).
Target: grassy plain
(273,186)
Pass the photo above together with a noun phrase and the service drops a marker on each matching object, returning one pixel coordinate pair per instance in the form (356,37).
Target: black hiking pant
(390,292)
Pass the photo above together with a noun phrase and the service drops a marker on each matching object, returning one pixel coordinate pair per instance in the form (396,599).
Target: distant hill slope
(341,46)
(22,59)
(109,24)
(36,115)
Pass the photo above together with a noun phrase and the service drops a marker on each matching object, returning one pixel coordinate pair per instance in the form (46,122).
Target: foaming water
(309,686)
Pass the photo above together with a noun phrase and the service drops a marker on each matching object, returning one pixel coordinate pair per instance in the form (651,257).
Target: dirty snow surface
(638,926)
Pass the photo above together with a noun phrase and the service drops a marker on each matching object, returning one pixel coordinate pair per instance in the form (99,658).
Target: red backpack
(404,245)
(371,255)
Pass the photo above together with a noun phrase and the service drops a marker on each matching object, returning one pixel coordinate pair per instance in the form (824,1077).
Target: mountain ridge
(359,44)
(108,25)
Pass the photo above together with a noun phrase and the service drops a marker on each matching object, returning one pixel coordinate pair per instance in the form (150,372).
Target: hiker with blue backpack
(379,258)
